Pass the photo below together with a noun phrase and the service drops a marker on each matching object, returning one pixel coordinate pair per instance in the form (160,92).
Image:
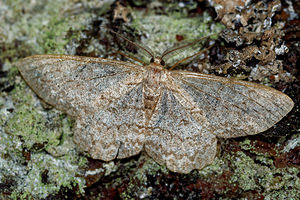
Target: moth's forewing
(234,108)
(100,93)
(78,84)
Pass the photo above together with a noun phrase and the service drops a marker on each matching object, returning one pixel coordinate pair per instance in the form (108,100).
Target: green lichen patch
(138,182)
(216,168)
(47,174)
(35,144)
(41,175)
(259,147)
(40,27)
(265,179)
(149,167)
(29,123)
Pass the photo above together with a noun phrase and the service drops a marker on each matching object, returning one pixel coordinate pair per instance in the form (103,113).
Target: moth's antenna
(131,57)
(182,60)
(175,49)
(147,50)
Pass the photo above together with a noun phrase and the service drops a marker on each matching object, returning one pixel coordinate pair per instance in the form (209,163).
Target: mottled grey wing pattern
(234,108)
(79,84)
(175,138)
(104,95)
(116,131)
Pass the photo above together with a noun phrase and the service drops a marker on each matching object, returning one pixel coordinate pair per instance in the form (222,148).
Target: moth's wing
(116,131)
(233,108)
(76,84)
(175,138)
(104,95)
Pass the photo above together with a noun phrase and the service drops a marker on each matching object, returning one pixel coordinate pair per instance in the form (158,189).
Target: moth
(176,116)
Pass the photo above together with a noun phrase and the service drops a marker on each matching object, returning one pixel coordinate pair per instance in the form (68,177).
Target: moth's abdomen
(151,98)
(153,84)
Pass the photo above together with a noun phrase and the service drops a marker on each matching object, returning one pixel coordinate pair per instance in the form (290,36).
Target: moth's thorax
(155,65)
(156,73)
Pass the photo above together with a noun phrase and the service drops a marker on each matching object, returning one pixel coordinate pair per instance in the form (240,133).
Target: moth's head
(157,61)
